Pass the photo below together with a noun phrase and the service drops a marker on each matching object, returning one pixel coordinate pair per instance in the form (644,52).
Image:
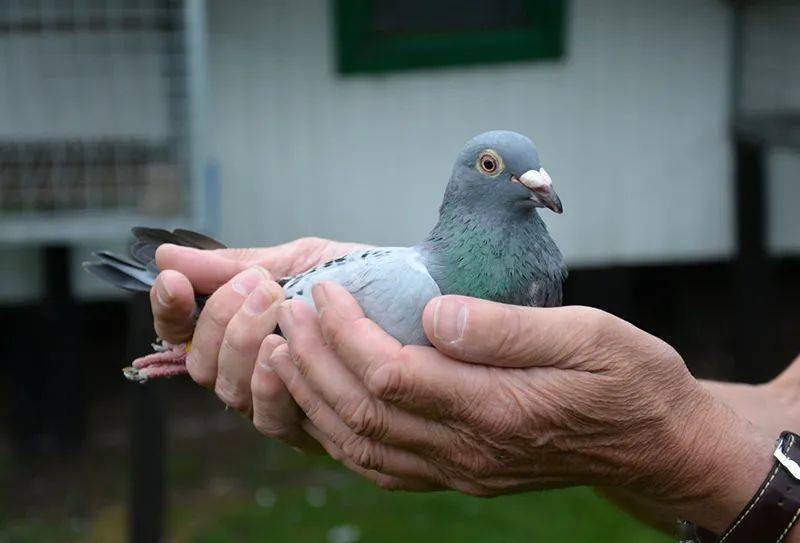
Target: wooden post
(147,504)
(752,294)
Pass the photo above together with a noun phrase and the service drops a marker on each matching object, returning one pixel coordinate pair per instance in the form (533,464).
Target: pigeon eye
(490,163)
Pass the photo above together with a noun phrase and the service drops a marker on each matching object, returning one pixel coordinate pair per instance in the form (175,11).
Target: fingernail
(257,302)
(163,294)
(286,318)
(449,319)
(248,280)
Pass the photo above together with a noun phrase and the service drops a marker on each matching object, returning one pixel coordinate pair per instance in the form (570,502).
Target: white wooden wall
(632,126)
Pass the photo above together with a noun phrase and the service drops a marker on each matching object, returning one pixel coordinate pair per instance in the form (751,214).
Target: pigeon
(489,242)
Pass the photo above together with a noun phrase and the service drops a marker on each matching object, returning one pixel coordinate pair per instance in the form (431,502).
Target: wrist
(719,463)
(726,459)
(772,407)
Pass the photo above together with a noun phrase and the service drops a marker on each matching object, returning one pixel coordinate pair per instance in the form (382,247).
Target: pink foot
(166,361)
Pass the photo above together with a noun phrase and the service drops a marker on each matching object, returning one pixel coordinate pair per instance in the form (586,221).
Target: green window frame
(360,49)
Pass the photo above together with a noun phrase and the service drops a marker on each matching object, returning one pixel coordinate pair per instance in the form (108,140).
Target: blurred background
(671,130)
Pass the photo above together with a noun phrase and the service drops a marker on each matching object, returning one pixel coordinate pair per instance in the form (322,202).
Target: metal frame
(68,227)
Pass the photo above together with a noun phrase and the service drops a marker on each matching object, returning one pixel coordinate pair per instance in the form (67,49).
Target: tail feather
(140,272)
(143,252)
(119,259)
(116,276)
(200,241)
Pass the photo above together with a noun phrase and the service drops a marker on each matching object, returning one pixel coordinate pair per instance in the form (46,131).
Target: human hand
(236,318)
(188,271)
(552,397)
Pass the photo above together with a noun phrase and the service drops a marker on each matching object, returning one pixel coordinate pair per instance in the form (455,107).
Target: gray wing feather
(391,284)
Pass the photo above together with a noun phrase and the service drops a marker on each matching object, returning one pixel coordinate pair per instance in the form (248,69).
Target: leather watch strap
(775,507)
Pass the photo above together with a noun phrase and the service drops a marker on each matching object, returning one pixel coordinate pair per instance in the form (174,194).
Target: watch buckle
(791,466)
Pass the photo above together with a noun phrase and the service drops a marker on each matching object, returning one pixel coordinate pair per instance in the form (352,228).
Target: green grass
(333,503)
(574,515)
(228,484)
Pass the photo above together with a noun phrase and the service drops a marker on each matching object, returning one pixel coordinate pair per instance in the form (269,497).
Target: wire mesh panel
(98,101)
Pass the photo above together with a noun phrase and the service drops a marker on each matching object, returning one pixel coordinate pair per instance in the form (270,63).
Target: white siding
(632,126)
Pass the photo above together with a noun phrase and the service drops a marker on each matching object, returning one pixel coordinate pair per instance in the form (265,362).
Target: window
(388,35)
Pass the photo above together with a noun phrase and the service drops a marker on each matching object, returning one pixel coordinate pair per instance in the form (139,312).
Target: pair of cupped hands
(508,398)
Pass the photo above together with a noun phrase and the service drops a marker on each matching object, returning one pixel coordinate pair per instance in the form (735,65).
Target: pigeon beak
(541,187)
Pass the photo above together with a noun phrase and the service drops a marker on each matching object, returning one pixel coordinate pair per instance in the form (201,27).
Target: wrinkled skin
(231,328)
(574,396)
(549,397)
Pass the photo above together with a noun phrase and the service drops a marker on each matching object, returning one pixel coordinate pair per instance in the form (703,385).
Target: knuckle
(269,427)
(472,465)
(363,453)
(230,394)
(363,417)
(202,378)
(301,354)
(483,468)
(387,381)
(334,333)
(509,334)
(476,490)
(596,323)
(200,374)
(217,317)
(306,252)
(239,339)
(386,482)
(266,389)
(312,410)
(308,242)
(263,428)
(336,453)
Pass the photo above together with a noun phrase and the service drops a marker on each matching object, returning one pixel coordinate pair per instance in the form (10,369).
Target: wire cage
(101,106)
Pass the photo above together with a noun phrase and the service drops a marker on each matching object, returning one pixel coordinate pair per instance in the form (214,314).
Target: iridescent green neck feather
(496,253)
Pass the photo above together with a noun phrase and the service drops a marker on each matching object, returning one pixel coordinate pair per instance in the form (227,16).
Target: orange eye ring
(489,163)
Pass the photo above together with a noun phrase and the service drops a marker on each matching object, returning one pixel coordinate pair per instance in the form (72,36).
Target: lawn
(226,484)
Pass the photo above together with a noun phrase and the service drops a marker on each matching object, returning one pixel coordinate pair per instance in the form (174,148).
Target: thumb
(495,334)
(206,270)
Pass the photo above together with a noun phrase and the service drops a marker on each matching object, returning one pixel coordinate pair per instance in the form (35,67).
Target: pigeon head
(501,169)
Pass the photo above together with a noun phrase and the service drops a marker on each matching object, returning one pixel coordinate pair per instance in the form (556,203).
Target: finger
(339,388)
(206,270)
(255,319)
(416,378)
(217,313)
(275,413)
(172,301)
(386,482)
(364,452)
(486,332)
